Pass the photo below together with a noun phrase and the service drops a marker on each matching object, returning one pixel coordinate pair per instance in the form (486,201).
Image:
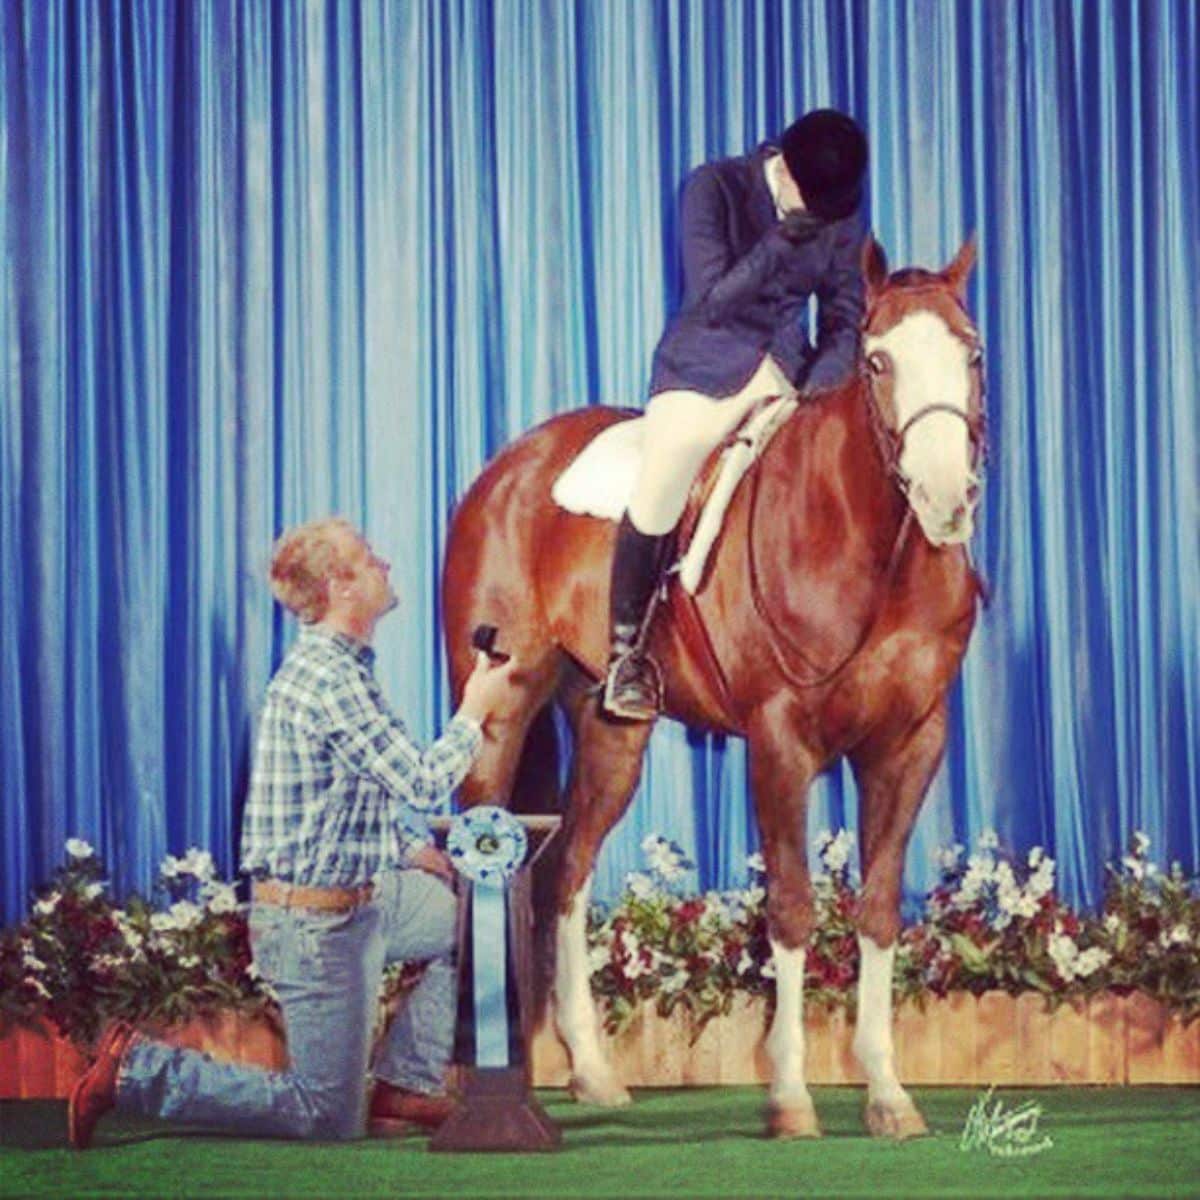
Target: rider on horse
(761,234)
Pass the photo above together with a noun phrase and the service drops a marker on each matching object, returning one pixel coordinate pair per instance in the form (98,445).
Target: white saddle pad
(600,480)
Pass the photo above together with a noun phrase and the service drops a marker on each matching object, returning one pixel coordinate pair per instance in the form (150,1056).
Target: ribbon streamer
(487,845)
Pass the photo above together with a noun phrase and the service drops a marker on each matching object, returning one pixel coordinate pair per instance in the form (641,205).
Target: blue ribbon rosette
(487,845)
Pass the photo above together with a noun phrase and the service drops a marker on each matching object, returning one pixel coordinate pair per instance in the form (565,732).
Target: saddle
(600,480)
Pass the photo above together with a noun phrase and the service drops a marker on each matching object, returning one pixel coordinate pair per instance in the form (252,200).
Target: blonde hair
(303,561)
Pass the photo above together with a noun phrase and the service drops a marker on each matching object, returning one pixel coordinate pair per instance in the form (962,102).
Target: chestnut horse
(827,625)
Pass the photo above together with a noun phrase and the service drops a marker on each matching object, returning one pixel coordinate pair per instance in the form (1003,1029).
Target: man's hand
(433,860)
(487,688)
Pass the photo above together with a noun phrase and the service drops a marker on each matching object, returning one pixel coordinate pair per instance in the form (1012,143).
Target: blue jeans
(326,969)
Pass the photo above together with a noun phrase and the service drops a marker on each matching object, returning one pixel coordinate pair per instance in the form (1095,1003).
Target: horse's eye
(877,363)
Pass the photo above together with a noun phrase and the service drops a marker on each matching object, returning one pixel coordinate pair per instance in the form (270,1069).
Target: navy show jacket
(744,296)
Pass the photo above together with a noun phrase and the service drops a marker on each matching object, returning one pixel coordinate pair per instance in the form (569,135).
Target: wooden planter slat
(1181,1053)
(955,1022)
(10,1067)
(1145,1030)
(1106,1039)
(35,1064)
(1069,1044)
(959,1040)
(742,1056)
(996,1039)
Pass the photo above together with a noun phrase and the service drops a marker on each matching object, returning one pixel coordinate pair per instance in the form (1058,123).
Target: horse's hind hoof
(792,1121)
(607,1093)
(899,1121)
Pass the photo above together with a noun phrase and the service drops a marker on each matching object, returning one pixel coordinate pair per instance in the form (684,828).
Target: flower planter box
(36,1063)
(958,1040)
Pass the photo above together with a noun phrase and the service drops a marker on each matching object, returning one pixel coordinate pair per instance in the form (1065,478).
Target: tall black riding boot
(633,689)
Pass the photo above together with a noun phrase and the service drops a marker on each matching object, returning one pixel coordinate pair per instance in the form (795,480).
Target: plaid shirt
(336,773)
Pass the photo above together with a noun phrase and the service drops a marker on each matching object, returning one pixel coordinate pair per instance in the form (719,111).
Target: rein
(780,635)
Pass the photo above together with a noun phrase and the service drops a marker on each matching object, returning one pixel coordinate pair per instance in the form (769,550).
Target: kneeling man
(340,887)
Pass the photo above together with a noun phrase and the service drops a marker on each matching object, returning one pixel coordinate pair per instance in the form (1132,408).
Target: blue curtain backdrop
(266,261)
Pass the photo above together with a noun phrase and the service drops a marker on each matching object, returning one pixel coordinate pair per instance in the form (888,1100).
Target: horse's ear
(874,266)
(957,273)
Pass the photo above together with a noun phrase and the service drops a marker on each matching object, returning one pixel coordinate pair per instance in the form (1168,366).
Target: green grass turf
(686,1142)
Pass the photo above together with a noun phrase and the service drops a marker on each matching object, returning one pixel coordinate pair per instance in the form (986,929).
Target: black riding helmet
(826,153)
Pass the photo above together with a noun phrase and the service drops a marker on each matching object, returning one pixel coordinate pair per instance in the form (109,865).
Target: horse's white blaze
(873,1031)
(932,366)
(785,1042)
(574,1012)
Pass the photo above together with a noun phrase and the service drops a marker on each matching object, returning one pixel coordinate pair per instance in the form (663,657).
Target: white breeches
(681,429)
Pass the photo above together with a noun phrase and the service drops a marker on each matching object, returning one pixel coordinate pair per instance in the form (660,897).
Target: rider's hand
(488,687)
(436,862)
(798,227)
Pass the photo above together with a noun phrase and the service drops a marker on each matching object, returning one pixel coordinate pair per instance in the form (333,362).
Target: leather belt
(327,899)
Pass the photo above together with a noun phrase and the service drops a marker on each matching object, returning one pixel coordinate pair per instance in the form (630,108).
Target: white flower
(78,848)
(598,957)
(220,898)
(755,864)
(183,914)
(188,961)
(109,962)
(676,981)
(1091,961)
(133,937)
(1065,955)
(170,867)
(988,840)
(1135,866)
(47,905)
(1035,857)
(37,985)
(1141,843)
(1041,882)
(640,885)
(717,911)
(1179,936)
(823,840)
(752,896)
(664,858)
(31,962)
(948,857)
(837,850)
(1112,922)
(198,863)
(92,890)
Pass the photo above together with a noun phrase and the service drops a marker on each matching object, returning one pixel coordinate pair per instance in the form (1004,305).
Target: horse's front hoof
(792,1121)
(898,1121)
(606,1092)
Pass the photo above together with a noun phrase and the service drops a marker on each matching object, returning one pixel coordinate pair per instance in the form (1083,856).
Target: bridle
(890,441)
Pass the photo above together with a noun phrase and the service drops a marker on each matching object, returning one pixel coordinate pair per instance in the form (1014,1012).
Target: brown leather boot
(95,1092)
(395,1110)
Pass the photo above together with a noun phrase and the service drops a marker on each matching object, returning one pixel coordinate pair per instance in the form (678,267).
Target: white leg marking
(890,1111)
(873,1032)
(785,1042)
(574,1012)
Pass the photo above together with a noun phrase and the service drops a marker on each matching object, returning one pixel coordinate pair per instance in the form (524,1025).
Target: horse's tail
(537,791)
